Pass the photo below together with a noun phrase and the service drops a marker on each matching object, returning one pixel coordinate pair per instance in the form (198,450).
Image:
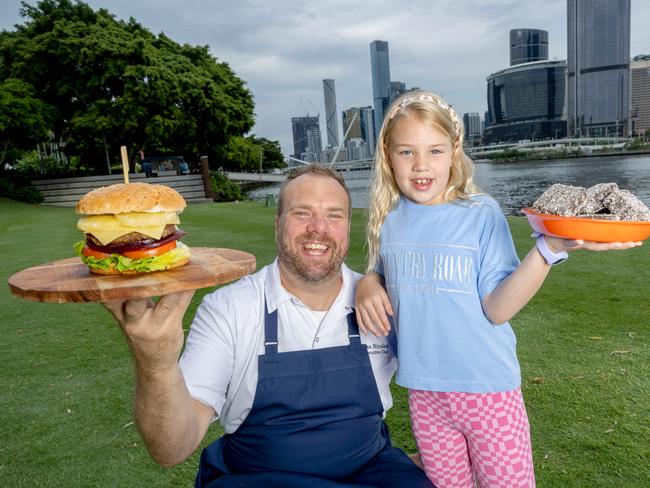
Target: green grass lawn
(67,386)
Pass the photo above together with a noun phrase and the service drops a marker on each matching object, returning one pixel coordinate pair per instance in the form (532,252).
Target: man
(278,359)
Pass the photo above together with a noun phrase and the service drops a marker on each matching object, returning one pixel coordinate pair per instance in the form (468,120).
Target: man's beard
(315,273)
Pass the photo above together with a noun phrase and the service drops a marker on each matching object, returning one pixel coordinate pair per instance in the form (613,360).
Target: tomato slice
(147,253)
(86,251)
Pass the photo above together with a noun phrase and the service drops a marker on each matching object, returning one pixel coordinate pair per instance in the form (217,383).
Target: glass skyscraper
(304,129)
(362,126)
(331,122)
(640,110)
(598,67)
(380,69)
(472,123)
(528,45)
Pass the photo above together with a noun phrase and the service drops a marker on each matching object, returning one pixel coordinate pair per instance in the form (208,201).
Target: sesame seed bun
(131,197)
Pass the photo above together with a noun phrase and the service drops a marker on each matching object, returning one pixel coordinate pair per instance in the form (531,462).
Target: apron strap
(353,329)
(270,330)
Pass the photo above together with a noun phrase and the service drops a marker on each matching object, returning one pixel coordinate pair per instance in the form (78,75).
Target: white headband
(428,97)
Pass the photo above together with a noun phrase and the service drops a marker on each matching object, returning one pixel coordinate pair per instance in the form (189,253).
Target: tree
(273,157)
(23,119)
(245,153)
(113,80)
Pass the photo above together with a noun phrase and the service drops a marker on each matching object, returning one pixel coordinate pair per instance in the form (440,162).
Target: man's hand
(154,331)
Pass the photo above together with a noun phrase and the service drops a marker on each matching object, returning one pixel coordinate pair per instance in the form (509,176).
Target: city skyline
(284,51)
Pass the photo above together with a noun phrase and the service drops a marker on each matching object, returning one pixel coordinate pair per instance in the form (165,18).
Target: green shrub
(34,165)
(225,190)
(17,187)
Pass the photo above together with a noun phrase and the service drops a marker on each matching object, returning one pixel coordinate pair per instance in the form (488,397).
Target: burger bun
(131,197)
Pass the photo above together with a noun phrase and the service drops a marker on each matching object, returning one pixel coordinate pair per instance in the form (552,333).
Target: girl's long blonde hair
(430,109)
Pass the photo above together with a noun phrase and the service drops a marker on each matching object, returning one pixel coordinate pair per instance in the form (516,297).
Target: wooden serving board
(68,280)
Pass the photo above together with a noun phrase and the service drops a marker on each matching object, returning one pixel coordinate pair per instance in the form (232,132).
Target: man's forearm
(166,416)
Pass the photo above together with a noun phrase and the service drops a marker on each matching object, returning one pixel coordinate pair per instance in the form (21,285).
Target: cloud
(284,49)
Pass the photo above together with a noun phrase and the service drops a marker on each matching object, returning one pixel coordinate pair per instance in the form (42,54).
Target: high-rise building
(314,145)
(352,123)
(380,69)
(299,128)
(329,90)
(368,131)
(598,62)
(357,149)
(472,123)
(528,45)
(640,109)
(362,126)
(526,101)
(396,89)
(327,155)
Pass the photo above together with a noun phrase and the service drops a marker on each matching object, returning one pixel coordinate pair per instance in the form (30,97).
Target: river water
(518,184)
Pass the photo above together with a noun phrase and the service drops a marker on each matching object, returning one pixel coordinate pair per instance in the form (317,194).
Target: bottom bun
(114,271)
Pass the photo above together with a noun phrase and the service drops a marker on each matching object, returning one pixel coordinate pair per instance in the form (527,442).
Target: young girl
(442,263)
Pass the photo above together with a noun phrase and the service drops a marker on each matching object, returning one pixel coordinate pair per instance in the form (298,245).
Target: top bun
(131,197)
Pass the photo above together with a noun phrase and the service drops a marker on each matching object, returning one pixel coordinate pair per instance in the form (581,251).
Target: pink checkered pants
(464,437)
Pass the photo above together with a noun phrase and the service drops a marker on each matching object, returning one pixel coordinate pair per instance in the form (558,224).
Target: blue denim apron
(316,420)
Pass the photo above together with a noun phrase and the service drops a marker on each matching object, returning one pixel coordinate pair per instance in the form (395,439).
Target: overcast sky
(283,49)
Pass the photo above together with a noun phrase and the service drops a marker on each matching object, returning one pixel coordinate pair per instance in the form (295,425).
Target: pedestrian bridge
(350,170)
(254,177)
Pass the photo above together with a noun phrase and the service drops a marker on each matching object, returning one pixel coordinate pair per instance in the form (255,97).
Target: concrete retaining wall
(66,192)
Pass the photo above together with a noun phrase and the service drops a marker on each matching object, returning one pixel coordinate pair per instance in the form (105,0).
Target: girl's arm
(516,290)
(372,305)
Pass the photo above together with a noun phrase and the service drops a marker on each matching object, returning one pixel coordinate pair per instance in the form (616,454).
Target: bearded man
(278,359)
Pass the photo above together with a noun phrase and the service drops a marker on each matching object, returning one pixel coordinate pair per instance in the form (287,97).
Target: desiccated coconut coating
(563,200)
(602,201)
(626,206)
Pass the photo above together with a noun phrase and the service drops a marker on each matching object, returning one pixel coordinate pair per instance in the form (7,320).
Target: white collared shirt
(219,362)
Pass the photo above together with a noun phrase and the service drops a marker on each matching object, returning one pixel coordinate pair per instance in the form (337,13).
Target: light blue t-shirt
(438,262)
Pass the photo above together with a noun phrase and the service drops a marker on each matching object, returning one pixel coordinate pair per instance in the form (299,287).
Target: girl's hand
(372,306)
(557,244)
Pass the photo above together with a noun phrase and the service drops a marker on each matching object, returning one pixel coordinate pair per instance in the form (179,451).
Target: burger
(131,229)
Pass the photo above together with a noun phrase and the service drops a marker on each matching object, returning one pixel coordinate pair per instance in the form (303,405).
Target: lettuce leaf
(144,265)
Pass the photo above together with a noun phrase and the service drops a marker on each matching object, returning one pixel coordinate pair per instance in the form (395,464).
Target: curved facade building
(526,101)
(528,45)
(329,90)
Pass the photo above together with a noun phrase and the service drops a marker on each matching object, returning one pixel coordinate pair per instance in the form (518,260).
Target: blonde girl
(443,266)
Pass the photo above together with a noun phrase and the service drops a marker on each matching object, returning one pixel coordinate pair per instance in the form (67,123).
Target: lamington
(602,201)
(565,200)
(598,193)
(625,206)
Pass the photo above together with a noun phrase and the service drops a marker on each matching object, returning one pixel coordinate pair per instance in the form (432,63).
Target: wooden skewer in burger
(130,228)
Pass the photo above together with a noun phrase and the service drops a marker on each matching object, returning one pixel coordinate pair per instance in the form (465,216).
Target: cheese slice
(107,228)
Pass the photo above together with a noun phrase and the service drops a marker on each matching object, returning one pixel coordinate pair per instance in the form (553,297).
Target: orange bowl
(587,229)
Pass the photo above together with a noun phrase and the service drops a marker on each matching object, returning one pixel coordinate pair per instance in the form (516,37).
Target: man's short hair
(315,170)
